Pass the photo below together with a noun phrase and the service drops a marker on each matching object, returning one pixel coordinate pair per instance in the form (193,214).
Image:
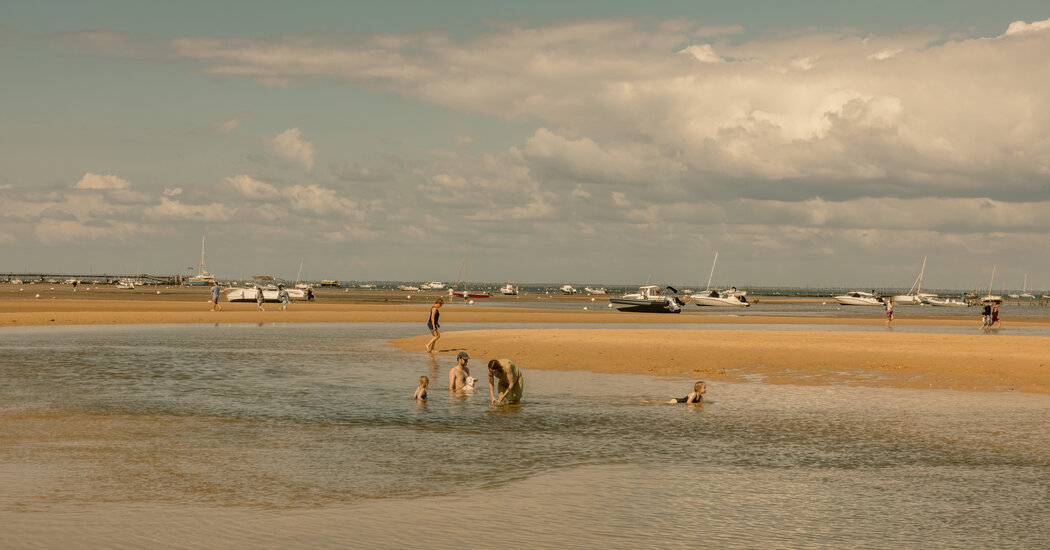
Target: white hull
(948,302)
(859,299)
(408,288)
(252,295)
(509,290)
(590,290)
(721,301)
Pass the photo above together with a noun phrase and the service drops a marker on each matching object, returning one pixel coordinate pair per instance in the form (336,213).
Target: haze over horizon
(816,144)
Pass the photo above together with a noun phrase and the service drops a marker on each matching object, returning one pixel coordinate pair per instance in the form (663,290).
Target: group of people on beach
(990,317)
(506,382)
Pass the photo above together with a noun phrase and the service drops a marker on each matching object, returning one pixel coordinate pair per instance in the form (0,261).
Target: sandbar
(870,356)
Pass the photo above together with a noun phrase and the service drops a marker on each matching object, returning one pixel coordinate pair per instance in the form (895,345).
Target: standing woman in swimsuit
(432,324)
(511,382)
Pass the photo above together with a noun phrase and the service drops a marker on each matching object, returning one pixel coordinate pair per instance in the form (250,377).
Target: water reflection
(305,419)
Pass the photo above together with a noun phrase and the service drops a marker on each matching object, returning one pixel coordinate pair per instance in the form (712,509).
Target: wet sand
(981,362)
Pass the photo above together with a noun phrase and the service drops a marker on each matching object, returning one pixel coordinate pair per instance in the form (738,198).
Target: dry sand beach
(876,357)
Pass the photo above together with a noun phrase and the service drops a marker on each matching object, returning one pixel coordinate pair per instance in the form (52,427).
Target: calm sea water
(306,435)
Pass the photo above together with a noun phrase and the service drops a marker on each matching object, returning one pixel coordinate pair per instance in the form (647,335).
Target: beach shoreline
(868,354)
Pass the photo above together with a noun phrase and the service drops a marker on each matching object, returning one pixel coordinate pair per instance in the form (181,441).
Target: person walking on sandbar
(215,291)
(511,381)
(433,325)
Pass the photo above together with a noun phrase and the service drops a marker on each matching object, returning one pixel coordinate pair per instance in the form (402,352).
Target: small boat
(408,288)
(859,298)
(271,291)
(568,289)
(945,302)
(600,290)
(471,294)
(202,278)
(731,297)
(648,299)
(433,286)
(16,281)
(915,295)
(509,290)
(126,284)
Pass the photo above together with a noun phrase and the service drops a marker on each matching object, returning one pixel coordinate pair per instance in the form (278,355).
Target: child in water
(421,391)
(697,396)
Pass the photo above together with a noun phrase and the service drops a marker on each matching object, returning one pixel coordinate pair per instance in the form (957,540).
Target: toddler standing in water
(697,396)
(421,391)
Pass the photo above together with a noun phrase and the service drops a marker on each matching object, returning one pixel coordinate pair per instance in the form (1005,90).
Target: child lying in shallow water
(697,396)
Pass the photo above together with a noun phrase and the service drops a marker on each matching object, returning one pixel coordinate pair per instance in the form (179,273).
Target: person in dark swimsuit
(697,396)
(421,391)
(434,325)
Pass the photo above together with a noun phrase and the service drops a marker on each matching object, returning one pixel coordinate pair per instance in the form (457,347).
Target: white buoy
(471,302)
(37,295)
(409,297)
(585,308)
(158,292)
(610,306)
(592,299)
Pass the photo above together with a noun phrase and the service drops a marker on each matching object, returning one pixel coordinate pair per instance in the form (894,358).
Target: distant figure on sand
(259,298)
(986,317)
(215,291)
(285,298)
(433,325)
(697,396)
(995,318)
(457,377)
(511,381)
(421,391)
(889,312)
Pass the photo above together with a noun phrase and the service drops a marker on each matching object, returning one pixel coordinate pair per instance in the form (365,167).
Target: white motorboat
(433,286)
(648,299)
(568,289)
(732,297)
(945,302)
(600,290)
(509,290)
(272,295)
(271,291)
(408,288)
(716,298)
(860,298)
(126,284)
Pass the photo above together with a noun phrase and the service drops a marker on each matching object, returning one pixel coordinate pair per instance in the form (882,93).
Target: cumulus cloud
(176,211)
(290,145)
(95,181)
(249,187)
(1021,27)
(818,105)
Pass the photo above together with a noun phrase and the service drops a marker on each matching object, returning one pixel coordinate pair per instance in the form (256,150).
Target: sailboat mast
(990,283)
(921,271)
(201,270)
(300,271)
(711,276)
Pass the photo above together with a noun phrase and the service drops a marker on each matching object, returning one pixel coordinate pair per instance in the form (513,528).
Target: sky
(808,143)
